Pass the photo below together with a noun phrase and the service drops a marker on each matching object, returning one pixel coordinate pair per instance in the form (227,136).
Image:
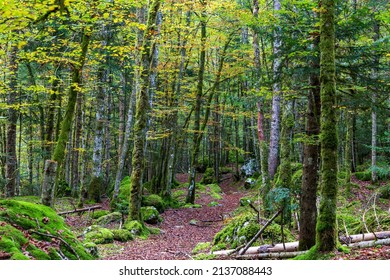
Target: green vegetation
(23,222)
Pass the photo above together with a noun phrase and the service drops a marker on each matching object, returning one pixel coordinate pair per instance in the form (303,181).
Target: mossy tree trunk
(11,158)
(66,124)
(326,223)
(142,106)
(308,207)
(283,178)
(198,100)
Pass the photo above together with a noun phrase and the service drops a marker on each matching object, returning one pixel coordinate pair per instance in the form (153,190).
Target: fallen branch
(280,255)
(80,210)
(59,238)
(260,232)
(365,237)
(372,243)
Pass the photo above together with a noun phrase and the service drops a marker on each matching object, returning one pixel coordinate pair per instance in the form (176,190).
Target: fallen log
(371,243)
(87,209)
(279,255)
(376,238)
(365,237)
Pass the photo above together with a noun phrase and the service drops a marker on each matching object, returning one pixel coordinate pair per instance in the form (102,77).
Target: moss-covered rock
(23,224)
(242,228)
(150,215)
(155,201)
(99,235)
(208,176)
(136,228)
(384,191)
(109,218)
(122,235)
(201,247)
(99,213)
(91,248)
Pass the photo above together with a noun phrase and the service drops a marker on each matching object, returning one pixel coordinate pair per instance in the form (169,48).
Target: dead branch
(80,210)
(260,232)
(371,243)
(280,255)
(59,238)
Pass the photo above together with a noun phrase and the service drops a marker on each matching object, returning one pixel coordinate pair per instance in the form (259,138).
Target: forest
(203,129)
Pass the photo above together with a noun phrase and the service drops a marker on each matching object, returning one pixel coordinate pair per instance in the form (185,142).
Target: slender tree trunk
(374,177)
(11,158)
(275,115)
(308,207)
(66,124)
(326,223)
(199,92)
(141,111)
(76,147)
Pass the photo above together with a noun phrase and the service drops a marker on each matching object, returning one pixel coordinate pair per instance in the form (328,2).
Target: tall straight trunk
(198,100)
(276,89)
(374,176)
(141,114)
(11,158)
(66,124)
(76,147)
(326,223)
(130,113)
(107,139)
(308,207)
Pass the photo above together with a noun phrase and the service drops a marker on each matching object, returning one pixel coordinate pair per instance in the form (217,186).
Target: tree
(142,106)
(326,224)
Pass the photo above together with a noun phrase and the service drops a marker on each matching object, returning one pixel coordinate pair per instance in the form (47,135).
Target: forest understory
(182,229)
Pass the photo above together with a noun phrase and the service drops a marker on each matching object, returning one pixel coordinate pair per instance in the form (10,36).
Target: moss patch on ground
(24,225)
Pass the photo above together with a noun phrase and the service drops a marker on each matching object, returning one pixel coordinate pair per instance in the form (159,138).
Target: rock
(99,235)
(150,215)
(109,218)
(249,183)
(249,168)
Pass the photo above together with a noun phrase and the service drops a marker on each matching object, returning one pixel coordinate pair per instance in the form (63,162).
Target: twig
(80,210)
(59,238)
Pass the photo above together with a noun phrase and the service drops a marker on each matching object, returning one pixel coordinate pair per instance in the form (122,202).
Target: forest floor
(179,234)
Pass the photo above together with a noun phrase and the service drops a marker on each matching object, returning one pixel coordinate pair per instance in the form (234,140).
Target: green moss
(95,189)
(363,176)
(218,247)
(109,218)
(203,256)
(150,215)
(121,204)
(122,235)
(99,235)
(314,254)
(99,213)
(202,246)
(213,204)
(19,256)
(189,205)
(136,228)
(154,230)
(244,227)
(91,249)
(42,223)
(155,201)
(208,176)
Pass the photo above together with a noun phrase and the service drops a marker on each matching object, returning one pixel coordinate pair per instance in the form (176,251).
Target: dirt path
(178,237)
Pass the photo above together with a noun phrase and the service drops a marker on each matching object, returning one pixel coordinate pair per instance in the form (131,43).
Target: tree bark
(276,89)
(11,158)
(326,223)
(141,118)
(308,197)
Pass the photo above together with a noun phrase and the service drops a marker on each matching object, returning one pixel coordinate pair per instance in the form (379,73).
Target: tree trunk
(326,223)
(66,124)
(308,197)
(11,158)
(276,88)
(199,92)
(141,111)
